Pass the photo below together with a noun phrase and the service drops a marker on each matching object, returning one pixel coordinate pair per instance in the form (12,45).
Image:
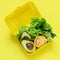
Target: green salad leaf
(34,32)
(22,29)
(38,26)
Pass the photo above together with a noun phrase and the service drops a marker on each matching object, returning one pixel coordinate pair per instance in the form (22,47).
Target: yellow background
(10,46)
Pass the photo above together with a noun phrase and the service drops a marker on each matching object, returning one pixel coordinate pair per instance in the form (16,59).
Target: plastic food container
(21,17)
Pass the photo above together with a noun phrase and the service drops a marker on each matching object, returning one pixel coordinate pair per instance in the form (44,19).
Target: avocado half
(28,46)
(25,35)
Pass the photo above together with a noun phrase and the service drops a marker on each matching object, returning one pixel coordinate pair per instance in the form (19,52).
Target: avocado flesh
(25,42)
(25,35)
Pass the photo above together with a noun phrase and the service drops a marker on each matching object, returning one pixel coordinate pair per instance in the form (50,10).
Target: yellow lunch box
(21,17)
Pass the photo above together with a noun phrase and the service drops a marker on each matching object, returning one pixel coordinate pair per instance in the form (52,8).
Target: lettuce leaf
(38,26)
